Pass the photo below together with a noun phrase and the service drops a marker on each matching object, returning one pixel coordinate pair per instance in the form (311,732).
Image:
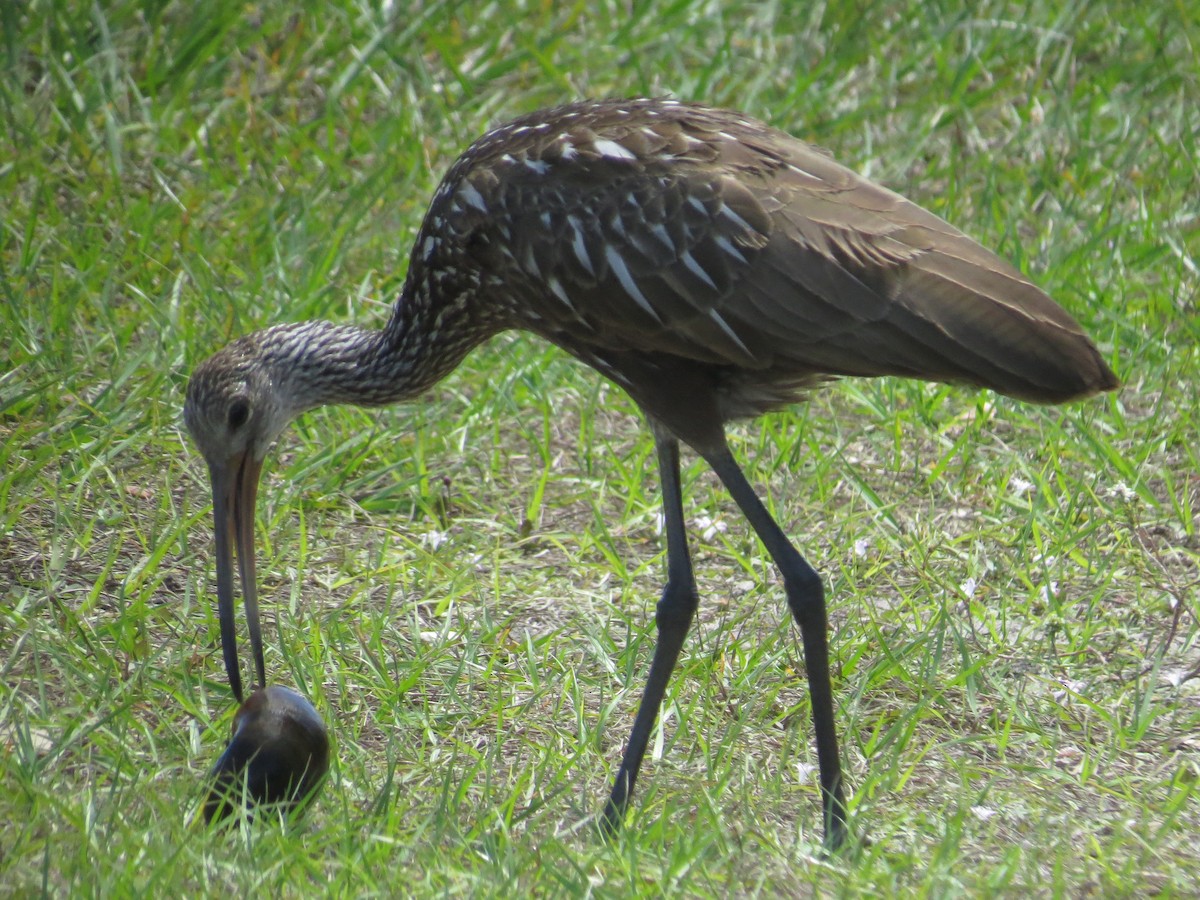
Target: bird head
(234,413)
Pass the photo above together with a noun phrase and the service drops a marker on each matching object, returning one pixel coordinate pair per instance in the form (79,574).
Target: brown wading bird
(713,267)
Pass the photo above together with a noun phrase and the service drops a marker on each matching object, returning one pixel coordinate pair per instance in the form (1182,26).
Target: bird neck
(320,363)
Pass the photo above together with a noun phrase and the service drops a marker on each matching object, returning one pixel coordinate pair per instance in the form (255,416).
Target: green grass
(465,585)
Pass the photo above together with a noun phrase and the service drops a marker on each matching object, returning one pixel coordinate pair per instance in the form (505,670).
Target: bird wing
(869,283)
(713,238)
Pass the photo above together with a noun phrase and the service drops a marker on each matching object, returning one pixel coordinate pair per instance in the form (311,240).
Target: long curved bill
(235,489)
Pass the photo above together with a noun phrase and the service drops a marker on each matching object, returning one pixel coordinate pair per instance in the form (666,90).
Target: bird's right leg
(676,608)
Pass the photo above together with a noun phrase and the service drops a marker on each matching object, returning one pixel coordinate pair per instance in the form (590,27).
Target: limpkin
(714,268)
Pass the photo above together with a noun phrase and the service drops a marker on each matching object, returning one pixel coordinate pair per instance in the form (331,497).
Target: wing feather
(704,236)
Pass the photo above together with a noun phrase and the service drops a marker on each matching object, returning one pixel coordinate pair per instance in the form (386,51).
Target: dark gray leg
(806,598)
(676,608)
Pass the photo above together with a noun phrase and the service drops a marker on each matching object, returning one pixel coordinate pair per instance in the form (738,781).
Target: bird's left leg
(806,598)
(676,608)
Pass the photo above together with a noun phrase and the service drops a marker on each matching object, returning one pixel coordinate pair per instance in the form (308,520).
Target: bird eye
(239,412)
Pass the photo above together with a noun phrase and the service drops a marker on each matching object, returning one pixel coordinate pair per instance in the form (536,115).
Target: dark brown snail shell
(278,752)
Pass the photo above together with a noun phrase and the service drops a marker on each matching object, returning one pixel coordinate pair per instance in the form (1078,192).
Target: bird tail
(990,326)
